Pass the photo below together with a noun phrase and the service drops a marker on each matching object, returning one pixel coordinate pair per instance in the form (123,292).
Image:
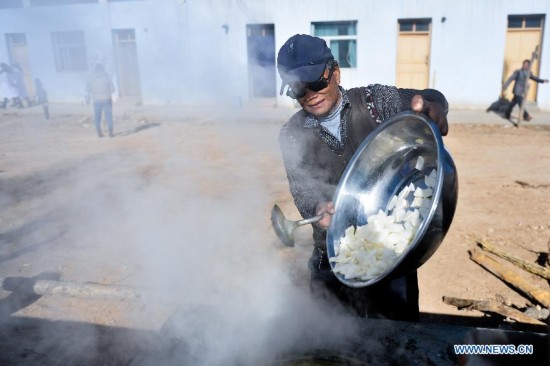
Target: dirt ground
(61,197)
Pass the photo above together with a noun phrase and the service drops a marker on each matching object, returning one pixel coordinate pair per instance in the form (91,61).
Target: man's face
(525,65)
(321,102)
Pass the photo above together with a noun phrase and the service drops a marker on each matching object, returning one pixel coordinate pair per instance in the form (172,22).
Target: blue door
(261,60)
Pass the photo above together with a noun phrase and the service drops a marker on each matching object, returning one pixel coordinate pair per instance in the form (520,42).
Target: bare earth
(88,209)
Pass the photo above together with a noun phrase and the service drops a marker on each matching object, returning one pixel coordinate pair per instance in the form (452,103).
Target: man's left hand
(433,110)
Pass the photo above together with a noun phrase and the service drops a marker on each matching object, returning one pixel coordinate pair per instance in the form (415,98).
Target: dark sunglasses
(298,90)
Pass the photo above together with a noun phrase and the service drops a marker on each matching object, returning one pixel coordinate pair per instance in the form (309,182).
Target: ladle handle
(311,220)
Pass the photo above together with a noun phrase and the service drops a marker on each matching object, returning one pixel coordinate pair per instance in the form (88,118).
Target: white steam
(188,225)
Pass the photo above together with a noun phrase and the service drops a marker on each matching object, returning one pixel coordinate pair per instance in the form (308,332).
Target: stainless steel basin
(383,165)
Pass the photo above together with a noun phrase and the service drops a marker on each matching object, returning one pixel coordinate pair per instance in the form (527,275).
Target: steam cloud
(187,228)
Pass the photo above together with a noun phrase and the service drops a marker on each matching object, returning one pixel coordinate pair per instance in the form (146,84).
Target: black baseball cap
(302,58)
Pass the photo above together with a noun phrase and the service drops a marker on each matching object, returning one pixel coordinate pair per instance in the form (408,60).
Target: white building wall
(185,56)
(39,23)
(467,49)
(470,50)
(159,43)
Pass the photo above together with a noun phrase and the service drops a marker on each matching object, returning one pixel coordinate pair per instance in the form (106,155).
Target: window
(69,51)
(16,39)
(525,21)
(124,35)
(414,25)
(260,30)
(341,37)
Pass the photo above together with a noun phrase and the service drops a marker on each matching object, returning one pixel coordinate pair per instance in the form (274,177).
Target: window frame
(63,52)
(346,37)
(523,19)
(414,22)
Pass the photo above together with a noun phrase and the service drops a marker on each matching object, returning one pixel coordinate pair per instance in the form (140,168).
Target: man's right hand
(434,110)
(328,209)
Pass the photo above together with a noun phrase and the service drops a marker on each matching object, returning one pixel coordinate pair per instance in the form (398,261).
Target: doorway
(18,53)
(127,65)
(413,53)
(523,35)
(261,60)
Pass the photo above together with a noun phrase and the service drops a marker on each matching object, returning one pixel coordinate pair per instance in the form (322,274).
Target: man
(520,78)
(42,97)
(100,88)
(318,142)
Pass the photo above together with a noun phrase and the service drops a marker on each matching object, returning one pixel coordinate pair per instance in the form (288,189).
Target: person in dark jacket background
(318,142)
(520,78)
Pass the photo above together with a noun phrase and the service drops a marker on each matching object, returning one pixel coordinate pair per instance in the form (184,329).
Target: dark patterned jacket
(314,159)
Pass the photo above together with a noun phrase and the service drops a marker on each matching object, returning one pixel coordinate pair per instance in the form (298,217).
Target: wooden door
(261,60)
(127,63)
(19,54)
(413,54)
(523,35)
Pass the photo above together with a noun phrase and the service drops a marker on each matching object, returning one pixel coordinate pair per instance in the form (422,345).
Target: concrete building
(224,51)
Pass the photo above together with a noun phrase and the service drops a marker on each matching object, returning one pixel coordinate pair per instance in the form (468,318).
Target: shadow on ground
(138,129)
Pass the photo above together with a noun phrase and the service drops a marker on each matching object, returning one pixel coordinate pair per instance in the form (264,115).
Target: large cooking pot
(385,163)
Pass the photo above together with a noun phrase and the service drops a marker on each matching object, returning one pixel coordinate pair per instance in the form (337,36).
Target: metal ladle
(284,228)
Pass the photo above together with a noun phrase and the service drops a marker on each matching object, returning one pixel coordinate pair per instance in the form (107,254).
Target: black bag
(499,106)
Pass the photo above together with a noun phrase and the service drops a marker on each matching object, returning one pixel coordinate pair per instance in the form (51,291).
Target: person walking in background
(100,88)
(520,78)
(42,98)
(7,87)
